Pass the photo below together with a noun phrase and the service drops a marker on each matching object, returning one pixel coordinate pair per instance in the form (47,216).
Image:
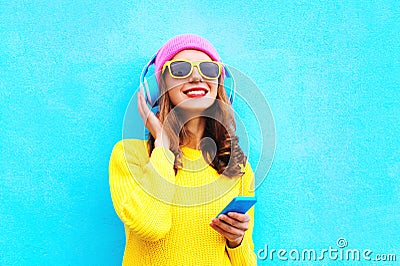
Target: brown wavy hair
(220,126)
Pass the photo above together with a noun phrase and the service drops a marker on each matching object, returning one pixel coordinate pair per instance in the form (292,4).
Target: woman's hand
(152,123)
(232,226)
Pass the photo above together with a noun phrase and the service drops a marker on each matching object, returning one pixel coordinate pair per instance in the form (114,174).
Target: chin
(196,105)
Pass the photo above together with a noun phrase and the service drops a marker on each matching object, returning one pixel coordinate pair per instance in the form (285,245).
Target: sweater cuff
(242,254)
(162,160)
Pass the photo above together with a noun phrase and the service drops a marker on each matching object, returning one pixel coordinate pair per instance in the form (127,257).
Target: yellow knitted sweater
(167,216)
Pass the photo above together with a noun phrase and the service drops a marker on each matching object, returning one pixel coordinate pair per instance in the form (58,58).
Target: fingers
(149,119)
(145,113)
(231,226)
(237,220)
(229,232)
(152,123)
(143,109)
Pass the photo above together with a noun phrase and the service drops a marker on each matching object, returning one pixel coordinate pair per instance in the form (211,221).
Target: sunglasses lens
(180,68)
(209,69)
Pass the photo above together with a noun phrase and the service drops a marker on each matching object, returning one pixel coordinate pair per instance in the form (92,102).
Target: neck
(196,127)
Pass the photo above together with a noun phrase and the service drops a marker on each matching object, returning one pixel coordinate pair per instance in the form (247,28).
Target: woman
(168,189)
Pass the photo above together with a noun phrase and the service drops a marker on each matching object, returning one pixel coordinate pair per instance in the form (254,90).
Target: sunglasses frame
(193,64)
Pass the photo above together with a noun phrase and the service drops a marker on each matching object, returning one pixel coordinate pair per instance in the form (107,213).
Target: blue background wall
(330,72)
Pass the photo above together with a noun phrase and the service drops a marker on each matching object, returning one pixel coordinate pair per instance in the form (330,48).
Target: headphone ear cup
(152,90)
(148,83)
(229,84)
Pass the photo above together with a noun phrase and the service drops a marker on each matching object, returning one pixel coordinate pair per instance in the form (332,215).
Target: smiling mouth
(195,92)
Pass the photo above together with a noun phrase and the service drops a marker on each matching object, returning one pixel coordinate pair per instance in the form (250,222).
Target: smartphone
(240,204)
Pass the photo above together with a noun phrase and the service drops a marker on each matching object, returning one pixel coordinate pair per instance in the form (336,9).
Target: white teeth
(200,92)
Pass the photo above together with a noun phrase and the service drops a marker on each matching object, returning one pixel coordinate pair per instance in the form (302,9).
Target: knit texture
(161,233)
(180,43)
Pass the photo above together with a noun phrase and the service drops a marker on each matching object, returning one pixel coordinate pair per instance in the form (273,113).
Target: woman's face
(194,93)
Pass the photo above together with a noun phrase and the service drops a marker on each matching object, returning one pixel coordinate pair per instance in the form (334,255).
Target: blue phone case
(240,204)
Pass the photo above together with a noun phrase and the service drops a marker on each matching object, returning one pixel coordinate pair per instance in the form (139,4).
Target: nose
(195,76)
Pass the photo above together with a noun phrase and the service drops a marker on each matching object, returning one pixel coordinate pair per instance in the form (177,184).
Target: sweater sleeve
(244,253)
(142,188)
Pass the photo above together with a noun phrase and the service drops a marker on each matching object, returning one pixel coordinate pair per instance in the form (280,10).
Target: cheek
(173,89)
(214,88)
(174,95)
(170,82)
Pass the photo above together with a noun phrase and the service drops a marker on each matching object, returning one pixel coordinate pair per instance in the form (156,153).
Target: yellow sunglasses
(181,68)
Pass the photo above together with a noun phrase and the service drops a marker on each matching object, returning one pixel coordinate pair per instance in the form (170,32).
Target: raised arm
(142,188)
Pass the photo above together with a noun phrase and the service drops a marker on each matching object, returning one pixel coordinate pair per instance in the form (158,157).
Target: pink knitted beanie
(180,43)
